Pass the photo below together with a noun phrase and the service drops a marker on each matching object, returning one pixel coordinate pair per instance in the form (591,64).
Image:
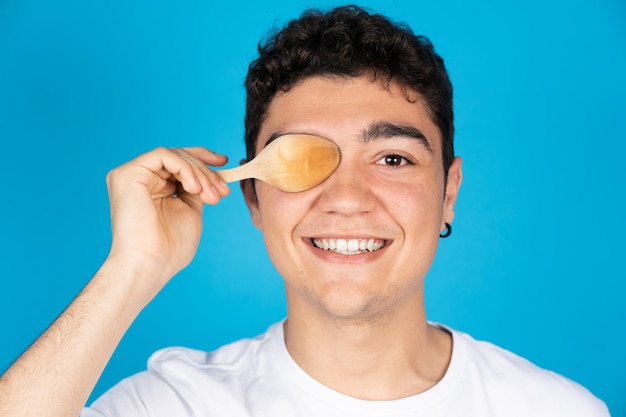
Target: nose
(347,191)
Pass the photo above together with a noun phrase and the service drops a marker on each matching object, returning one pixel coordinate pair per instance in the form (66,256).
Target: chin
(351,304)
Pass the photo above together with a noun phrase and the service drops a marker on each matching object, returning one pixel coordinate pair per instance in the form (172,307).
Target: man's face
(360,243)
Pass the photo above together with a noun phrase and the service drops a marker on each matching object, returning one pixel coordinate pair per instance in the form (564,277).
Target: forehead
(341,107)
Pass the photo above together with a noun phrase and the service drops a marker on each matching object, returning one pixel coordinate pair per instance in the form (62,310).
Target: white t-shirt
(257,377)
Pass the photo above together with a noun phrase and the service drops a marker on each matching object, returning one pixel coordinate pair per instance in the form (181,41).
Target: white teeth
(349,246)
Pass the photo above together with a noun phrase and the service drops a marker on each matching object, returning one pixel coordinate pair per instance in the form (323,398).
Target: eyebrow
(388,130)
(274,136)
(379,130)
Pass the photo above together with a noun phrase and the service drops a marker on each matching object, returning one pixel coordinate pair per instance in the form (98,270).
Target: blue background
(536,260)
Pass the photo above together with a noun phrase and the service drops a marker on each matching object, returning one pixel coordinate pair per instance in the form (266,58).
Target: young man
(353,251)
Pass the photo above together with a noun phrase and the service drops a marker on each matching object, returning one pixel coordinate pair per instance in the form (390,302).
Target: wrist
(138,280)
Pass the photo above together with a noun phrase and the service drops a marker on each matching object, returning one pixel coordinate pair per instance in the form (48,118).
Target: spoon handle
(239,173)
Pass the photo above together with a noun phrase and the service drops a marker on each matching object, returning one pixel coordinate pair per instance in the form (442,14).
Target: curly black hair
(351,42)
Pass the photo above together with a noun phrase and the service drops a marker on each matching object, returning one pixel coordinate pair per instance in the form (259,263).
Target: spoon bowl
(291,163)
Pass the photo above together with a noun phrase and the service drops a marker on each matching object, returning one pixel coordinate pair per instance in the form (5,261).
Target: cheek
(411,202)
(279,212)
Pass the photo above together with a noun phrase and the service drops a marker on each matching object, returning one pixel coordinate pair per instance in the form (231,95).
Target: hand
(156,209)
(155,234)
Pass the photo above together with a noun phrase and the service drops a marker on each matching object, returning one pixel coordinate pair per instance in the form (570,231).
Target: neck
(391,356)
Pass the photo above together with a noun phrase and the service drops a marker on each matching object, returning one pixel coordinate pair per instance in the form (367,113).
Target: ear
(249,194)
(455,176)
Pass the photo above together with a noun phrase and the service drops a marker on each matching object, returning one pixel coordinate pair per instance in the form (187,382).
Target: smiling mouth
(349,246)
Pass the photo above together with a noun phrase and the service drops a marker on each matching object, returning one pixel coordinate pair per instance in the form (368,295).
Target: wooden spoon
(292,163)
